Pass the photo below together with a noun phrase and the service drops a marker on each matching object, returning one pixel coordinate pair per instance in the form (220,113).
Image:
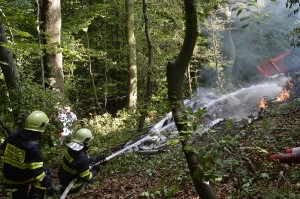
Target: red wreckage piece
(284,63)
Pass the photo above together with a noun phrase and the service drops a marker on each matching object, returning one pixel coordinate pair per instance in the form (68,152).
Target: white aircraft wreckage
(237,105)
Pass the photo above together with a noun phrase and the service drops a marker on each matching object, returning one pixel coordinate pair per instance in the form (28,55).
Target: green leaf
(239,12)
(188,148)
(173,142)
(234,9)
(219,179)
(244,18)
(145,194)
(265,175)
(261,150)
(244,26)
(4,63)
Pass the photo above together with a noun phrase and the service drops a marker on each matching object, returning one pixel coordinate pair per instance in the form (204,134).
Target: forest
(125,66)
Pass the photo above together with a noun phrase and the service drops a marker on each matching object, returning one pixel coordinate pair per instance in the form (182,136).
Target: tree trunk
(175,76)
(132,68)
(150,66)
(8,65)
(51,26)
(11,75)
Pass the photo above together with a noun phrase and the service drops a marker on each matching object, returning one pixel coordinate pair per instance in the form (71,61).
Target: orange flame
(283,96)
(263,103)
(285,93)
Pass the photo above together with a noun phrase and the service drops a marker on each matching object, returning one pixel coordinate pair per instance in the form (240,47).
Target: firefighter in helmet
(76,162)
(23,167)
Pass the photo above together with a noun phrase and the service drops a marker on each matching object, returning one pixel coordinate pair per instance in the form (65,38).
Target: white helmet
(81,138)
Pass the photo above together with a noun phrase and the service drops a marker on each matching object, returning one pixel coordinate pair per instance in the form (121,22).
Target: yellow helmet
(83,136)
(80,139)
(37,121)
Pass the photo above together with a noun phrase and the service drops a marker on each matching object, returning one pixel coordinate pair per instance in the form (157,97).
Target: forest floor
(236,163)
(239,166)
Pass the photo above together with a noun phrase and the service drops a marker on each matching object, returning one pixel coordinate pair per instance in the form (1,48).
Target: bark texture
(175,77)
(51,26)
(132,67)
(7,63)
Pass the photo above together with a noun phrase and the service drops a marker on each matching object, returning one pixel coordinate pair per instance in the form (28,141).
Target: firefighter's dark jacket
(23,162)
(75,164)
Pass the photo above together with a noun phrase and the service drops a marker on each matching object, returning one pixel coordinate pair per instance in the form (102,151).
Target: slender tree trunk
(38,14)
(175,76)
(94,89)
(132,68)
(150,65)
(216,58)
(51,25)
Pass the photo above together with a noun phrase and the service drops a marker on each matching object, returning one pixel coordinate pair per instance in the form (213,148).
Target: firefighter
(23,167)
(76,162)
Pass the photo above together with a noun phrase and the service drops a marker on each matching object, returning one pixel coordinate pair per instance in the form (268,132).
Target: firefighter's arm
(85,173)
(37,169)
(42,177)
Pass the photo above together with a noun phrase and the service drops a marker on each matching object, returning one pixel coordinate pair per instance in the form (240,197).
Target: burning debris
(241,103)
(262,107)
(285,94)
(288,93)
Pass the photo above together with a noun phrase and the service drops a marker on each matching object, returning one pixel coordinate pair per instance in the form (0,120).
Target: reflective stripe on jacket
(23,162)
(75,164)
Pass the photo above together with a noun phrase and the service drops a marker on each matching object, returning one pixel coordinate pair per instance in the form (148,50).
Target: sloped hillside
(235,156)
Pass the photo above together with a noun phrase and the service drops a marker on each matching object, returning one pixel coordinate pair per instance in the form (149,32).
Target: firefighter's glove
(51,191)
(48,171)
(47,181)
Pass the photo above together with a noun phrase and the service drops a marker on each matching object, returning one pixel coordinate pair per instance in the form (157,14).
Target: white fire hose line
(71,184)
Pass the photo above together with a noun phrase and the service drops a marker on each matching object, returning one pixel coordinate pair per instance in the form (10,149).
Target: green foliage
(52,156)
(113,130)
(32,97)
(167,192)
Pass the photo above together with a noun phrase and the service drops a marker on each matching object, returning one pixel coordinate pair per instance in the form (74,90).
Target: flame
(283,96)
(263,103)
(285,93)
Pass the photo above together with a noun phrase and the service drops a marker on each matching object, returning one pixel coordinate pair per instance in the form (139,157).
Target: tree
(150,65)
(294,35)
(7,63)
(51,26)
(175,77)
(132,68)
(10,72)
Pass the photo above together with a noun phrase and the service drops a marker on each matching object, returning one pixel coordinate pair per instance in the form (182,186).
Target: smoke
(242,103)
(265,37)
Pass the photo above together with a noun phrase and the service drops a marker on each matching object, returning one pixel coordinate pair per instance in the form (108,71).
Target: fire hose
(291,155)
(70,185)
